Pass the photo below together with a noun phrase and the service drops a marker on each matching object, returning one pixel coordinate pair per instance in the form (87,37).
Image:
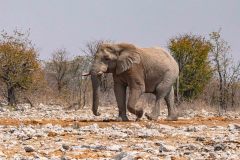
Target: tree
(58,68)
(18,59)
(191,52)
(226,71)
(64,74)
(77,83)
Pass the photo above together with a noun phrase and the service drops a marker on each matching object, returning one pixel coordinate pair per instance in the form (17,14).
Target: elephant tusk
(86,74)
(100,73)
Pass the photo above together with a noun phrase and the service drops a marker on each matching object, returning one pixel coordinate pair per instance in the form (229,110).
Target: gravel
(51,132)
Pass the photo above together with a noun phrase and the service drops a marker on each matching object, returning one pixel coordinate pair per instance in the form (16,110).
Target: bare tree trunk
(220,89)
(233,92)
(11,96)
(29,101)
(84,95)
(59,87)
(227,72)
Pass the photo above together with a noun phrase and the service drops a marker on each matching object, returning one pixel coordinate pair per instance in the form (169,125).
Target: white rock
(138,146)
(195,128)
(136,125)
(116,148)
(92,128)
(1,109)
(144,133)
(166,127)
(234,156)
(2,154)
(233,127)
(124,156)
(115,132)
(165,148)
(78,148)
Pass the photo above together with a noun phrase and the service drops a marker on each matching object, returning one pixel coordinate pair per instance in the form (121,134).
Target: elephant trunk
(95,96)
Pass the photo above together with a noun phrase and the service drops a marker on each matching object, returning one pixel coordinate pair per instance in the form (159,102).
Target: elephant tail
(177,90)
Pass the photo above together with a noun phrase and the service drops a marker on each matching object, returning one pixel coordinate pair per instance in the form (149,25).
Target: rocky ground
(51,132)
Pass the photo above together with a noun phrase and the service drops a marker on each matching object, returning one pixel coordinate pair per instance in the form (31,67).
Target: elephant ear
(128,55)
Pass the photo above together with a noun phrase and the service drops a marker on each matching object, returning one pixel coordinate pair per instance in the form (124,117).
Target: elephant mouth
(99,73)
(93,73)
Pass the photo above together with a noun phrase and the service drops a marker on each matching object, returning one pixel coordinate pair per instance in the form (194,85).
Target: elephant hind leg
(162,90)
(171,106)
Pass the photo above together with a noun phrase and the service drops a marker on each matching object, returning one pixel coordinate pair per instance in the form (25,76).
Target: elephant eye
(107,58)
(110,49)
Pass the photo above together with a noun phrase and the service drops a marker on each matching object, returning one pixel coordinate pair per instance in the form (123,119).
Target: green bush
(191,52)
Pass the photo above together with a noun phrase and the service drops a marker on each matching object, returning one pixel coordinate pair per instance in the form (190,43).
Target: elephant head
(111,58)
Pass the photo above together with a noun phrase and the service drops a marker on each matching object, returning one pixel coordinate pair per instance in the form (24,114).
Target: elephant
(142,70)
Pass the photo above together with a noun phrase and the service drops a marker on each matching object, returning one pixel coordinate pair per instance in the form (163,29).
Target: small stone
(52,134)
(234,156)
(65,146)
(29,149)
(12,130)
(92,128)
(75,125)
(191,129)
(116,148)
(219,147)
(153,158)
(212,155)
(207,148)
(1,109)
(2,154)
(123,156)
(144,133)
(95,147)
(106,120)
(165,148)
(191,147)
(138,146)
(79,148)
(136,125)
(166,127)
(206,113)
(233,127)
(195,128)
(201,139)
(113,133)
(65,158)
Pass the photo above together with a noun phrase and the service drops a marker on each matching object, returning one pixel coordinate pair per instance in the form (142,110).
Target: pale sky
(71,24)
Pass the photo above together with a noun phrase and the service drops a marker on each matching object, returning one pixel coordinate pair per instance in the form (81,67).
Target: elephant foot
(96,113)
(139,114)
(123,118)
(137,119)
(151,116)
(172,118)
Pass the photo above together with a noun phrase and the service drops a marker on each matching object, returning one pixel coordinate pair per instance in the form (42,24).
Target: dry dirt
(51,132)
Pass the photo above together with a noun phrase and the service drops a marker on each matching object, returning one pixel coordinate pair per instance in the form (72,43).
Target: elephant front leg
(155,111)
(120,94)
(132,100)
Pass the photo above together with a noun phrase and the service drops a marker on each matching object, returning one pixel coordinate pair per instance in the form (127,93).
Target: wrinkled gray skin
(143,70)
